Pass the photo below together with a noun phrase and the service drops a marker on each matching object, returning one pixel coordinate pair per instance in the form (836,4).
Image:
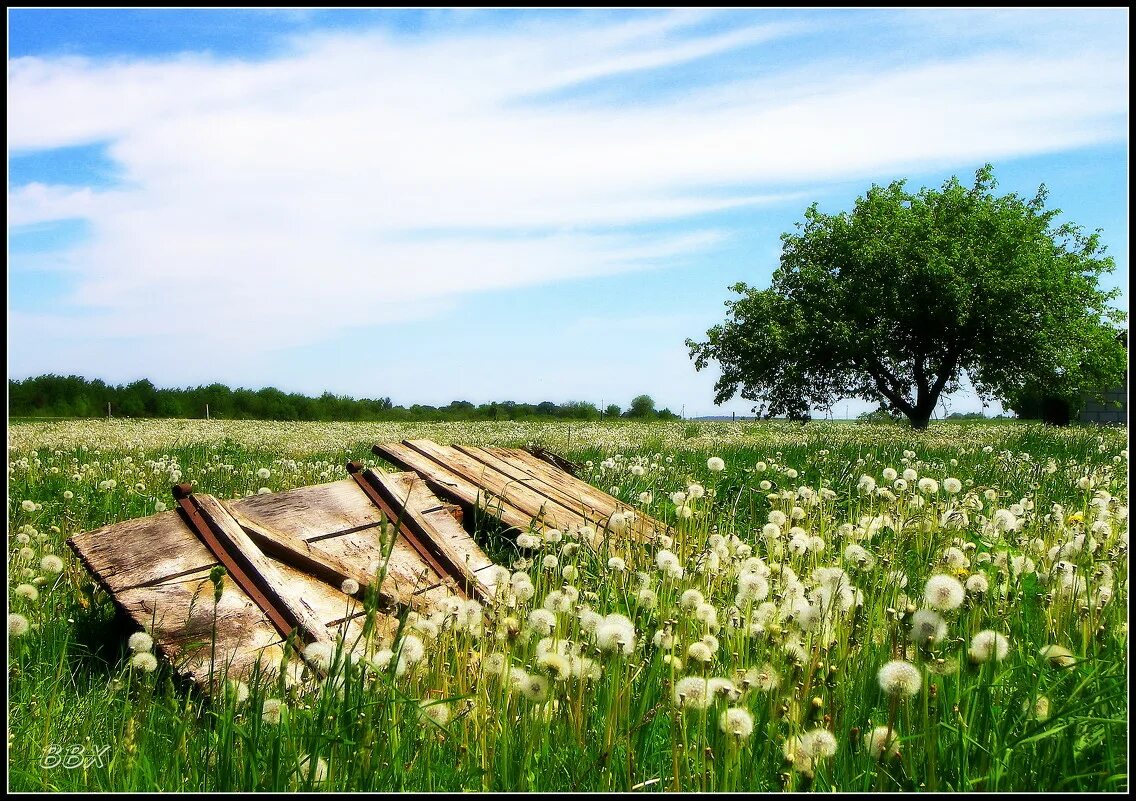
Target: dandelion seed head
(51,564)
(882,742)
(556,665)
(616,633)
(819,743)
(736,722)
(988,645)
(1058,656)
(494,664)
(900,678)
(927,626)
(1040,708)
(319,654)
(699,651)
(692,692)
(532,687)
(272,711)
(316,771)
(144,661)
(433,713)
(140,641)
(943,593)
(542,621)
(18,625)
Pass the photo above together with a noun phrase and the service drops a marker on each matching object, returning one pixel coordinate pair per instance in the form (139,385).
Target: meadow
(840,606)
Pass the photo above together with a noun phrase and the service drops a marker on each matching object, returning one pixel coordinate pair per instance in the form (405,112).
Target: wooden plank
(447,485)
(532,503)
(321,510)
(445,526)
(457,564)
(284,546)
(261,569)
(587,510)
(645,526)
(181,616)
(142,551)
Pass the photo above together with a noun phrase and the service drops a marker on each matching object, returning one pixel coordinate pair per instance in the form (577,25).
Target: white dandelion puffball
(140,641)
(928,485)
(692,692)
(144,661)
(272,711)
(819,743)
(51,564)
(882,741)
(927,627)
(433,713)
(952,485)
(737,722)
(1058,656)
(977,584)
(316,772)
(263,473)
(715,464)
(900,678)
(18,625)
(988,645)
(944,593)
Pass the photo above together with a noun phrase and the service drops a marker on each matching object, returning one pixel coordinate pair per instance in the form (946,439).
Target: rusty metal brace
(435,557)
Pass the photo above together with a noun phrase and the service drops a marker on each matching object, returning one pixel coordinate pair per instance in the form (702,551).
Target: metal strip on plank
(421,541)
(252,583)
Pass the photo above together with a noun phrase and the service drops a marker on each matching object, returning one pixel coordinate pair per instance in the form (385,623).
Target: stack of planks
(296,548)
(518,488)
(292,559)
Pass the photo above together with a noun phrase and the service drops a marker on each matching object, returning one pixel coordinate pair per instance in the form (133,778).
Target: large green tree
(894,301)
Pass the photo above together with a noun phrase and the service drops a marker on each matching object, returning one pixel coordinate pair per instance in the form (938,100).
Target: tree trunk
(919,421)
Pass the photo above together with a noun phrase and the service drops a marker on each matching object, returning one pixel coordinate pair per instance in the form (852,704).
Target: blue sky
(434,205)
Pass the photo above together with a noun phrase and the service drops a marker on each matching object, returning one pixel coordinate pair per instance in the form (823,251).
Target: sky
(438,205)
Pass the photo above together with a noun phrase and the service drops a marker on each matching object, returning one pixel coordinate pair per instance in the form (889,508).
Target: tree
(896,300)
(612,410)
(642,406)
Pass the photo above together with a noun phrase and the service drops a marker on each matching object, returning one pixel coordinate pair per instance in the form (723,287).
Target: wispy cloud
(281,196)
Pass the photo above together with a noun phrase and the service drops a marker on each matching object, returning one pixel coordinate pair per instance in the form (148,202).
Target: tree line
(75,396)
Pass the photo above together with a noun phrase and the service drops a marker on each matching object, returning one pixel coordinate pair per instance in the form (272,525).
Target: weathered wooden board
(534,504)
(148,550)
(462,491)
(463,563)
(591,511)
(646,527)
(531,492)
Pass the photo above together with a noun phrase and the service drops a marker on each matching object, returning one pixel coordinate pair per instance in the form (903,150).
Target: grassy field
(841,606)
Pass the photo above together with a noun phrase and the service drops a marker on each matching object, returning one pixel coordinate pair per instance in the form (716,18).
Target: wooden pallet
(287,554)
(291,550)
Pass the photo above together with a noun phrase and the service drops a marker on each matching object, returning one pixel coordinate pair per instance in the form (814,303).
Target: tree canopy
(894,301)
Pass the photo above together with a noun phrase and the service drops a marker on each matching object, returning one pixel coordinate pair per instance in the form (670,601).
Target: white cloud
(367,172)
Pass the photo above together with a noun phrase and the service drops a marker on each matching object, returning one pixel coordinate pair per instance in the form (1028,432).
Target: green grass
(74,694)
